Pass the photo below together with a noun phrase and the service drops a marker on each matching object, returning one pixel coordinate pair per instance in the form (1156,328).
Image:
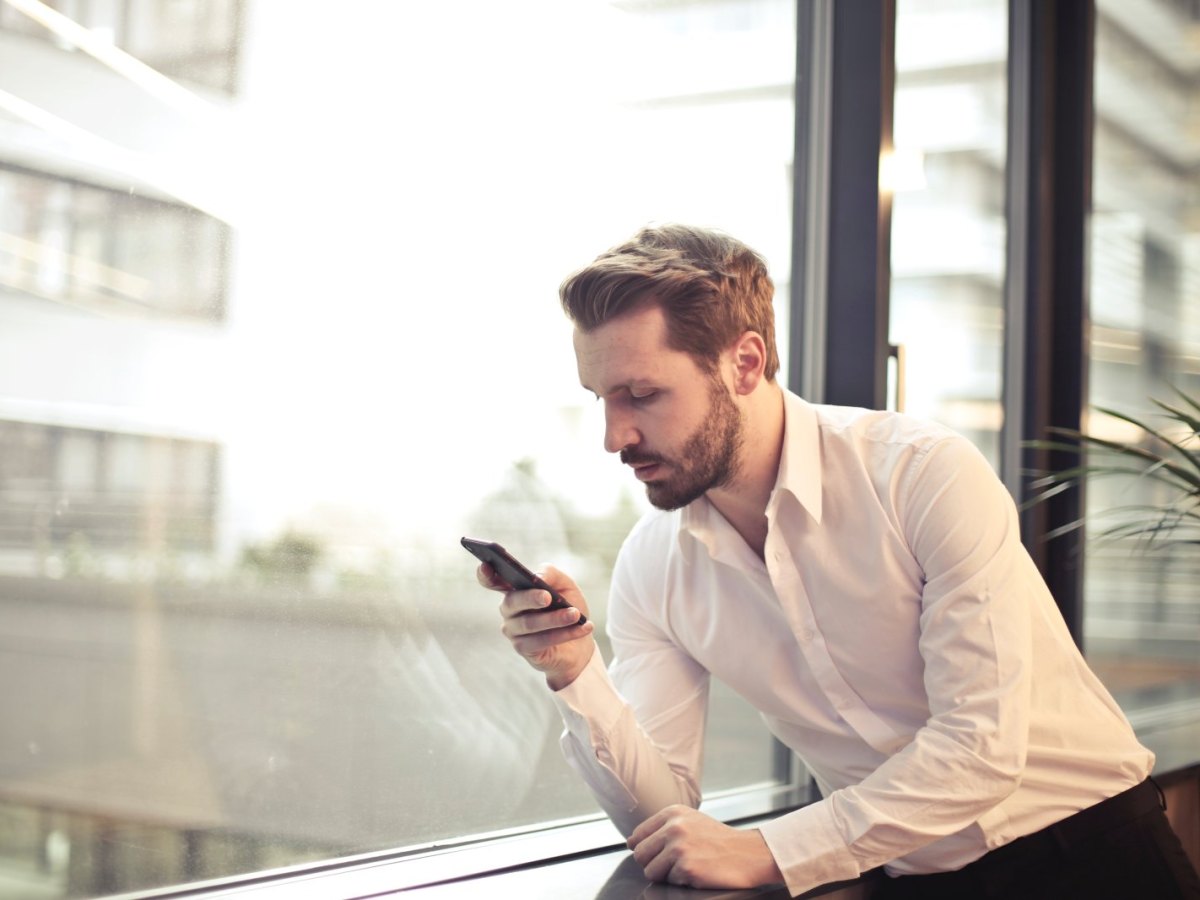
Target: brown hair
(711,287)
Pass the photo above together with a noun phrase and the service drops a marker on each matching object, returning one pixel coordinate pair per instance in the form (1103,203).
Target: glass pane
(947,181)
(232,525)
(1142,617)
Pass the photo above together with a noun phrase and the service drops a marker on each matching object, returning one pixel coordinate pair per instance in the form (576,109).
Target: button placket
(793,598)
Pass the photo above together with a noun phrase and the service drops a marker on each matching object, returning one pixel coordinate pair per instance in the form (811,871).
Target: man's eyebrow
(628,387)
(595,392)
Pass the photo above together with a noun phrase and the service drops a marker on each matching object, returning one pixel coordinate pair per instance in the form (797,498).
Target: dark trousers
(1120,849)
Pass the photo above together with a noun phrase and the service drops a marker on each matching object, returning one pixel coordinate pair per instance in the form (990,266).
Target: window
(948,229)
(1139,619)
(258,641)
(1142,621)
(237,452)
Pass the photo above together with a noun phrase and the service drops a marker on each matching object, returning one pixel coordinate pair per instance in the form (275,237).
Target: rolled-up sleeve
(634,733)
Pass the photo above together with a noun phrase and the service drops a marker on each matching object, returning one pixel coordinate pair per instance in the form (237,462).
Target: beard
(710,457)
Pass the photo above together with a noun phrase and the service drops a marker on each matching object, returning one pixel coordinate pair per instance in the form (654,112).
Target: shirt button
(805,635)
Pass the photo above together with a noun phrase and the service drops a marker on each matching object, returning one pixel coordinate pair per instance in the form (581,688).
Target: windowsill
(1175,743)
(615,875)
(580,859)
(512,870)
(560,850)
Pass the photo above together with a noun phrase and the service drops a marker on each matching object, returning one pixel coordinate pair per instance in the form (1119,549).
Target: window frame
(838,314)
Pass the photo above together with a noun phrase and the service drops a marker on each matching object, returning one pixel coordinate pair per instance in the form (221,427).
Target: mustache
(632,457)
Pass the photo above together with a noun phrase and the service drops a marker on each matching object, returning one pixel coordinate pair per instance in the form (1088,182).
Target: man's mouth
(645,467)
(645,471)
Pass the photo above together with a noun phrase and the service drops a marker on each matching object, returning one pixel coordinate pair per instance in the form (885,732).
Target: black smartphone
(511,570)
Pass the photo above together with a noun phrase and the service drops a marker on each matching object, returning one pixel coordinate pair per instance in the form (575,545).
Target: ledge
(1175,743)
(615,875)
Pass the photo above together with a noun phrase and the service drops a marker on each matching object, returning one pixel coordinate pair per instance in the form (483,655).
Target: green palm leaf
(1157,456)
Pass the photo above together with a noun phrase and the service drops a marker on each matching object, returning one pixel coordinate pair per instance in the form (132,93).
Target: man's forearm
(628,774)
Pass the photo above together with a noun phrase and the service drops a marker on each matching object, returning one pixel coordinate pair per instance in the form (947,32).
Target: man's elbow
(1000,764)
(986,765)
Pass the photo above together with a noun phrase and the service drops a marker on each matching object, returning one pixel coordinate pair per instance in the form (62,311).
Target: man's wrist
(558,681)
(771,873)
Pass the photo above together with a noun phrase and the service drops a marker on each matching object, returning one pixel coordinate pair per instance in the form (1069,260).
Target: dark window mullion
(1049,181)
(858,225)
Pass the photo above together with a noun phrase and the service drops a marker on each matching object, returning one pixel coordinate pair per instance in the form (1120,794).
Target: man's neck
(743,502)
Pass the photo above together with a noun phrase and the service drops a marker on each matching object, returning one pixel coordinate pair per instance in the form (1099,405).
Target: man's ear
(749,357)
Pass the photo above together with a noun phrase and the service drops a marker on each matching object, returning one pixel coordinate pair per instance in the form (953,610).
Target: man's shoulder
(643,563)
(880,426)
(895,451)
(654,533)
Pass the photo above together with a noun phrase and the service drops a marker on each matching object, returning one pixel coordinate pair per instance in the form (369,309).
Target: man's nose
(619,430)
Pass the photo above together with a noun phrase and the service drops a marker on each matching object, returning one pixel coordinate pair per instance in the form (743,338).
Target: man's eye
(643,398)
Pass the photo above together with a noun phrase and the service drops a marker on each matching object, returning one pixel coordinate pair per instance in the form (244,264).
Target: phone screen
(514,572)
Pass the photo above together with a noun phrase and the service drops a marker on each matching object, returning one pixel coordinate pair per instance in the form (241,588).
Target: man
(859,578)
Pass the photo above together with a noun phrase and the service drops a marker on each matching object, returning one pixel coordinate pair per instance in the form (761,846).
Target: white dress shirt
(897,637)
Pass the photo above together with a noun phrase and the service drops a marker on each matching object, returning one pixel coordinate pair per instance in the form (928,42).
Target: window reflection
(195,41)
(107,251)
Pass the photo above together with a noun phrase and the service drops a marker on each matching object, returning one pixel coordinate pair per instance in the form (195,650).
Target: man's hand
(679,845)
(549,640)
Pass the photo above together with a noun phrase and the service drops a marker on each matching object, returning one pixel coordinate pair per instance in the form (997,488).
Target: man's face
(675,424)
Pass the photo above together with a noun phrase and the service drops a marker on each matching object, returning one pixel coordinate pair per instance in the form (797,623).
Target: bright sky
(410,204)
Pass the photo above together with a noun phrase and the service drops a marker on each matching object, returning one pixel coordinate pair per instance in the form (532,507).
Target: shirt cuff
(808,848)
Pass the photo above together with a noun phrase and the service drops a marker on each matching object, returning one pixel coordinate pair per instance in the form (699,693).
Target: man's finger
(660,868)
(546,630)
(655,856)
(537,623)
(487,577)
(648,827)
(517,603)
(677,875)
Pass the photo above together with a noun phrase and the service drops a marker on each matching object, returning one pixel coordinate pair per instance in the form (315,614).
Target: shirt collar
(799,474)
(800,462)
